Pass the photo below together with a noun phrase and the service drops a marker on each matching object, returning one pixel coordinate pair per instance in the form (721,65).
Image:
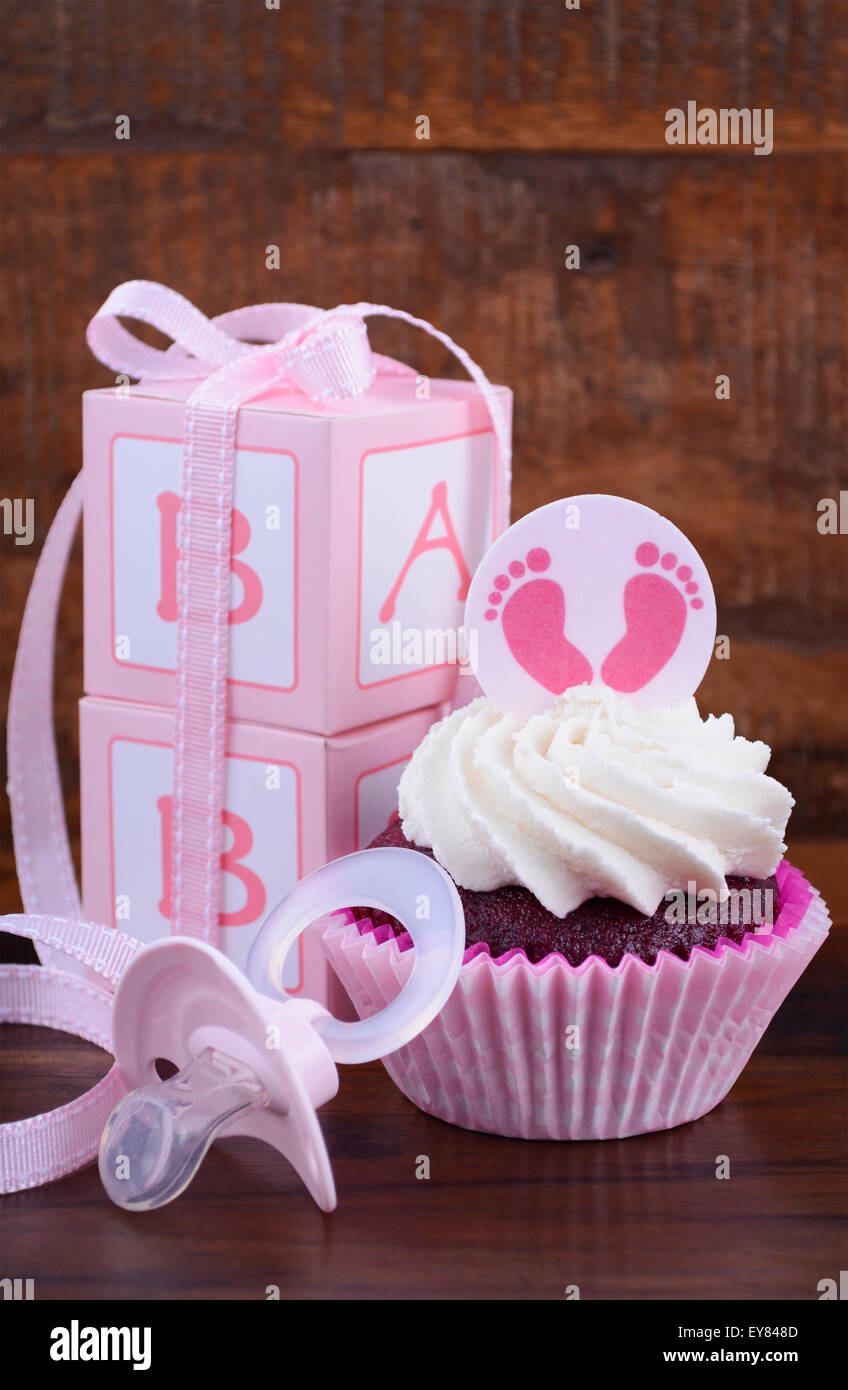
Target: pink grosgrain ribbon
(327,356)
(44,1147)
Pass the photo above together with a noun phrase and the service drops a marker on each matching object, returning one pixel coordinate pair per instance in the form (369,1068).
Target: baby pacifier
(250,1060)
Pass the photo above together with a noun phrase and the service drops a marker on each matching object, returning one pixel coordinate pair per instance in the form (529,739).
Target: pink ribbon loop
(325,354)
(44,1147)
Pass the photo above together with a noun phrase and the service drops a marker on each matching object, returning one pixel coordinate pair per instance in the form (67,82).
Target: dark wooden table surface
(643,1218)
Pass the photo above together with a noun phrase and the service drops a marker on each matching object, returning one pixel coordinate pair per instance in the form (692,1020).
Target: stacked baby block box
(355,529)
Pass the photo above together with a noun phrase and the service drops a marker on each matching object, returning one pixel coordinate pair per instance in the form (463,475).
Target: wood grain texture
(342,74)
(252,127)
(643,1218)
(689,269)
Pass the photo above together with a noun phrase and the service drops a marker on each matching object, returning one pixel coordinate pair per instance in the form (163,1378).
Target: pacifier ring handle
(408,886)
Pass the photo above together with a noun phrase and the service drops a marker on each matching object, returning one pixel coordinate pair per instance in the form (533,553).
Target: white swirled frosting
(595,798)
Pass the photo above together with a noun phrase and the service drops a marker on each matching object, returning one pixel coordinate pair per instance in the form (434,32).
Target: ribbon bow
(323,353)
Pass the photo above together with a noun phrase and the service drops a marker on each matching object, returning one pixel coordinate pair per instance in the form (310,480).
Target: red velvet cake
(511,918)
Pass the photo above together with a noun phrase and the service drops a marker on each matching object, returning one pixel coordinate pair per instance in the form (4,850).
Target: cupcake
(631,923)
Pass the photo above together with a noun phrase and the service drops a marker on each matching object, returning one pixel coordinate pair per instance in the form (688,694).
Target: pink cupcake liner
(658,1045)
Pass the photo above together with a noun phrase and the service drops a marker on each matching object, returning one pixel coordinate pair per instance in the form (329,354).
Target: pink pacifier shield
(255,1065)
(591,590)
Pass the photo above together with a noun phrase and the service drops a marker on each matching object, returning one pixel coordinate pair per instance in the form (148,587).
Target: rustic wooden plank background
(296,126)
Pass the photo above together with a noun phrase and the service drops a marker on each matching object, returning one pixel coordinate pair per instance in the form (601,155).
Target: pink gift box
(293,801)
(356,528)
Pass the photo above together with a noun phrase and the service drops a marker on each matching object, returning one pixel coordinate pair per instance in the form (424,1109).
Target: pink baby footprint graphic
(655,613)
(533,619)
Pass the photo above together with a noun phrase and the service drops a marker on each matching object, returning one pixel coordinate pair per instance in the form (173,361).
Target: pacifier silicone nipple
(250,1064)
(158,1136)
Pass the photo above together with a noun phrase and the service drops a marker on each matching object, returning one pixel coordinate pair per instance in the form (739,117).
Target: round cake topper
(590,590)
